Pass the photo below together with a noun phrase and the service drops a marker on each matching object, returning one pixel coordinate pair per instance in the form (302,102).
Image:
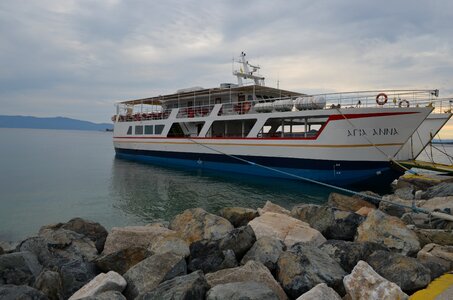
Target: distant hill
(51,123)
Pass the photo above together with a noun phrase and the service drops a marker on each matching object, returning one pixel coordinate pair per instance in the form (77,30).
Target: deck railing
(385,98)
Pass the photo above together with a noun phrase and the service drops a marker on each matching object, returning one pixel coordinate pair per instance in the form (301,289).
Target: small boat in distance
(337,138)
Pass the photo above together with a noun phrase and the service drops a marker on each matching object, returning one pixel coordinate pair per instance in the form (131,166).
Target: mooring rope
(379,199)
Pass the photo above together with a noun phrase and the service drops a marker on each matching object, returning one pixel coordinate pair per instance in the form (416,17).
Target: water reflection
(152,193)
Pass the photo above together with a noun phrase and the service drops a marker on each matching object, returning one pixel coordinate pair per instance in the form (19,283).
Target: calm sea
(50,176)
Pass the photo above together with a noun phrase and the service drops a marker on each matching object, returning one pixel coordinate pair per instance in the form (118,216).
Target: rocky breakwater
(348,248)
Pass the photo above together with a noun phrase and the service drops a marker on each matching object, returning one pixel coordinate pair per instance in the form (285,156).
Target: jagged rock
(240,240)
(437,265)
(191,286)
(206,255)
(196,224)
(122,260)
(442,189)
(348,254)
(104,282)
(417,182)
(417,219)
(331,222)
(251,271)
(149,273)
(286,228)
(438,203)
(8,247)
(238,216)
(406,193)
(92,230)
(19,268)
(49,283)
(344,202)
(365,283)
(320,292)
(109,295)
(303,267)
(364,211)
(75,274)
(165,244)
(406,272)
(19,292)
(389,231)
(443,255)
(272,207)
(134,236)
(38,246)
(393,206)
(435,236)
(266,250)
(249,290)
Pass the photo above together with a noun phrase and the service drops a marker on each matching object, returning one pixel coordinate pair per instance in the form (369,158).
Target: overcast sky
(75,58)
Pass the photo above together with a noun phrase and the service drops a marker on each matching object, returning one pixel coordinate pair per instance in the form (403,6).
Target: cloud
(76,58)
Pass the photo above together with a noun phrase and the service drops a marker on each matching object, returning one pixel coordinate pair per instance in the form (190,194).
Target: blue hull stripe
(344,173)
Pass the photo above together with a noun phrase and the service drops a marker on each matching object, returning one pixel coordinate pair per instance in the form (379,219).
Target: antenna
(245,72)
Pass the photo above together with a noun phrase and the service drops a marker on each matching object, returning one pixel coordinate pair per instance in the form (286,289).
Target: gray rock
(320,292)
(331,222)
(8,247)
(75,274)
(207,256)
(439,259)
(240,240)
(406,272)
(104,282)
(238,216)
(272,207)
(249,290)
(443,189)
(49,283)
(19,268)
(348,203)
(266,250)
(392,205)
(109,295)
(417,182)
(165,244)
(303,267)
(191,286)
(39,247)
(434,236)
(389,231)
(122,260)
(348,254)
(20,292)
(406,193)
(251,271)
(149,273)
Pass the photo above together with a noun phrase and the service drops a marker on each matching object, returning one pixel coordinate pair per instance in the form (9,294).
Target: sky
(75,58)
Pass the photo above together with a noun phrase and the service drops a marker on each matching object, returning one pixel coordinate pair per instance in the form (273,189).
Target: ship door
(337,169)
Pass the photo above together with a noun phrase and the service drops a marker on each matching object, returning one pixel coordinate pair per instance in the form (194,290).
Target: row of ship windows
(147,129)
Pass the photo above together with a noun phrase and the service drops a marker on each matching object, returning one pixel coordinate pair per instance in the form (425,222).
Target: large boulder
(206,255)
(134,236)
(109,295)
(196,224)
(104,282)
(406,193)
(19,268)
(434,236)
(348,203)
(19,292)
(94,231)
(331,222)
(417,182)
(348,254)
(249,290)
(75,274)
(266,250)
(443,255)
(238,216)
(286,228)
(365,283)
(389,231)
(122,260)
(409,274)
(442,189)
(8,247)
(173,244)
(251,271)
(320,292)
(49,283)
(239,240)
(303,267)
(394,206)
(438,203)
(272,207)
(192,286)
(149,273)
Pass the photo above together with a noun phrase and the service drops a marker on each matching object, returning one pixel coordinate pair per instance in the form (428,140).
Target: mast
(247,72)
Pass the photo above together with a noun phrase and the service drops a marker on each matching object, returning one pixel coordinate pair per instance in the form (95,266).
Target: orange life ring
(381,102)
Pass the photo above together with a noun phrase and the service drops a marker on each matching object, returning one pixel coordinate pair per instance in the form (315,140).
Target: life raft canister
(381,99)
(403,102)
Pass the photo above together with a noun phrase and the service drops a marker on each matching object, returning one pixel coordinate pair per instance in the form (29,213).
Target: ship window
(139,129)
(148,129)
(292,127)
(129,130)
(158,129)
(233,128)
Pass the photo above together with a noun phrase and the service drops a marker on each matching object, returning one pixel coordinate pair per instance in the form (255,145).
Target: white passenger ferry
(339,138)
